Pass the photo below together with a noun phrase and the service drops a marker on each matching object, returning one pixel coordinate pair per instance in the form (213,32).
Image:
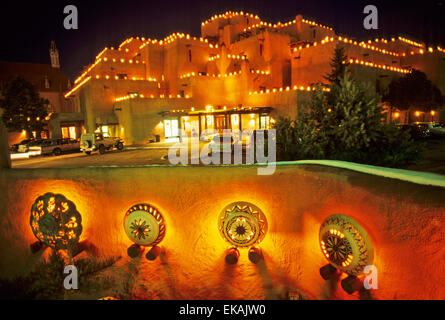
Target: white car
(27,143)
(90,142)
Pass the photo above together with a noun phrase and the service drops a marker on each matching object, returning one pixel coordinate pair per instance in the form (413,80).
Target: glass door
(171,128)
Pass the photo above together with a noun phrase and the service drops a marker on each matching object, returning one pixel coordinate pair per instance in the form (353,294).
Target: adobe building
(241,72)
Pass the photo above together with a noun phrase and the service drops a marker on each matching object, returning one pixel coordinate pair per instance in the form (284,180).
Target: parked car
(14,148)
(416,131)
(437,129)
(432,128)
(90,142)
(24,145)
(55,146)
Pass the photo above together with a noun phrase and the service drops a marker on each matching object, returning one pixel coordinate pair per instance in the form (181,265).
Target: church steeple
(54,54)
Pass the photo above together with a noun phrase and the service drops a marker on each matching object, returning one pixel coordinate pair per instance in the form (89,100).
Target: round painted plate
(242,224)
(55,221)
(144,225)
(345,244)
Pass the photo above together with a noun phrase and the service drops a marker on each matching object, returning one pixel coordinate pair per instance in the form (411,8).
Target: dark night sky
(27,28)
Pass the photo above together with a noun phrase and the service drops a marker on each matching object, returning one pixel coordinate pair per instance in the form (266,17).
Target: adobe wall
(284,103)
(140,119)
(311,63)
(14,137)
(404,220)
(97,98)
(120,66)
(207,90)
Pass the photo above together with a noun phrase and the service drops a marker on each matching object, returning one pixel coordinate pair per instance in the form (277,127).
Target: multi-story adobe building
(240,73)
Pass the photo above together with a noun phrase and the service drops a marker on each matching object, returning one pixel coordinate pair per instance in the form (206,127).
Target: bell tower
(54,54)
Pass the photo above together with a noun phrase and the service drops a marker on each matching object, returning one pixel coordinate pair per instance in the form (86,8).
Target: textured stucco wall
(404,220)
(140,118)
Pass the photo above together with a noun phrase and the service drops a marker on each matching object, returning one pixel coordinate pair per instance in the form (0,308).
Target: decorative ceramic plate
(55,221)
(345,244)
(144,225)
(242,224)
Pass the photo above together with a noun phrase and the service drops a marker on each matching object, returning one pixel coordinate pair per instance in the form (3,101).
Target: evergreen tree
(346,124)
(413,90)
(24,109)
(339,64)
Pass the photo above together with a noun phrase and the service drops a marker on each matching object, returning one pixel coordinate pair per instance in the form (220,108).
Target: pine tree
(24,109)
(413,90)
(347,124)
(339,64)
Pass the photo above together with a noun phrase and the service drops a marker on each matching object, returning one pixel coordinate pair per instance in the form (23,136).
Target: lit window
(65,132)
(235,121)
(264,122)
(73,132)
(105,131)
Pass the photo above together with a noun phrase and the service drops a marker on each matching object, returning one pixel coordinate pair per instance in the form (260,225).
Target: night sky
(27,28)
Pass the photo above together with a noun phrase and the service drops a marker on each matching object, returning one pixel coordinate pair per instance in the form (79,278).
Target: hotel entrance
(171,127)
(196,122)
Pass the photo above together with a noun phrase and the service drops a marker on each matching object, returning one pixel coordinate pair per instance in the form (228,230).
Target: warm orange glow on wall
(380,66)
(242,224)
(362,44)
(142,96)
(345,244)
(300,88)
(293,200)
(417,113)
(278,25)
(417,44)
(173,37)
(144,225)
